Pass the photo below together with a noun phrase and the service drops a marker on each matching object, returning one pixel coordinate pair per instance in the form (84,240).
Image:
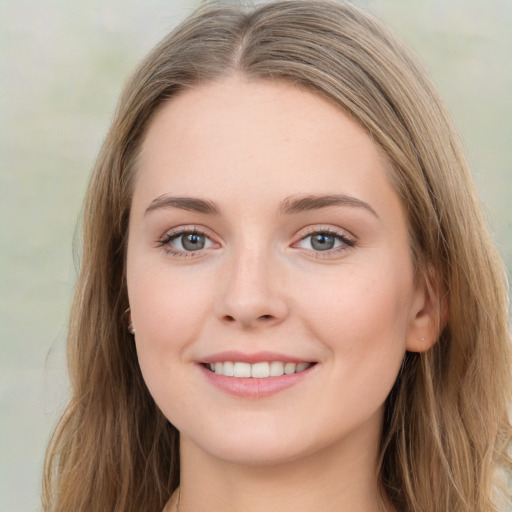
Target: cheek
(167,319)
(168,312)
(363,320)
(361,302)
(166,301)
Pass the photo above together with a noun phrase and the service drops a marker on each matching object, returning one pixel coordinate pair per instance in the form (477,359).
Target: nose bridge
(251,293)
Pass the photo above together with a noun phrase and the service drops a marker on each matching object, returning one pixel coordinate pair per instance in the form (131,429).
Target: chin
(255,455)
(245,446)
(262,445)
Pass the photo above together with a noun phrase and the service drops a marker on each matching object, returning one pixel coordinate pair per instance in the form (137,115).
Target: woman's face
(269,273)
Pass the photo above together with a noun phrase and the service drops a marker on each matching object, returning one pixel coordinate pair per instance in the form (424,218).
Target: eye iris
(322,242)
(193,242)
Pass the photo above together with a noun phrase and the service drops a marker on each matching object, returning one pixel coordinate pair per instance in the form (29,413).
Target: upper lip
(256,357)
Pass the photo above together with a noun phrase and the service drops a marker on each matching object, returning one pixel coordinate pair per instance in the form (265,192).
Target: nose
(251,294)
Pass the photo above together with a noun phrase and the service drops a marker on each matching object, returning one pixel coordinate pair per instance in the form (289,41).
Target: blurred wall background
(62,65)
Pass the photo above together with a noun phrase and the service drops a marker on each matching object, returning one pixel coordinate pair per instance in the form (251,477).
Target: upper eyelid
(348,240)
(171,234)
(345,240)
(166,241)
(182,230)
(331,230)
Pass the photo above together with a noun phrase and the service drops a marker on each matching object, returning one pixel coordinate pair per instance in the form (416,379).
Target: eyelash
(346,242)
(165,242)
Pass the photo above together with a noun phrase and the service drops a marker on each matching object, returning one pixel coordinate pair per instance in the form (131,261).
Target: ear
(429,313)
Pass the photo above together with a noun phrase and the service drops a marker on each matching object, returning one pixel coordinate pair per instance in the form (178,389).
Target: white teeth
(289,368)
(276,369)
(241,370)
(257,370)
(260,370)
(228,369)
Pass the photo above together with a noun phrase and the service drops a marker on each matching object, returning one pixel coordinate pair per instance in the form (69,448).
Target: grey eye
(322,242)
(192,241)
(186,242)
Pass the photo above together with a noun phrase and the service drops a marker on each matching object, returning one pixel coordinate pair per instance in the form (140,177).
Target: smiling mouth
(259,370)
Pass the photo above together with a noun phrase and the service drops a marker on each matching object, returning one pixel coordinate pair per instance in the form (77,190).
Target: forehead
(259,138)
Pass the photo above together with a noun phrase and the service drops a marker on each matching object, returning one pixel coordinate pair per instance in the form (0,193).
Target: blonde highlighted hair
(446,428)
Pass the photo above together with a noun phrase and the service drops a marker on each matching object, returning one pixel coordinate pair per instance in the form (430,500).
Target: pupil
(322,242)
(193,242)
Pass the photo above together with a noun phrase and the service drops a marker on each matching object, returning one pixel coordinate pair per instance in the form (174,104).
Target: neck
(338,478)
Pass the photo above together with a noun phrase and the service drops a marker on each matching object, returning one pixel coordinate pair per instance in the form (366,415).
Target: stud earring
(131,329)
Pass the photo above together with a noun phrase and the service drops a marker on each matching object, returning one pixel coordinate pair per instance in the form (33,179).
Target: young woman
(289,299)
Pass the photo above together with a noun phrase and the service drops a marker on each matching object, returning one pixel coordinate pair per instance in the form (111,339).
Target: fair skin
(297,252)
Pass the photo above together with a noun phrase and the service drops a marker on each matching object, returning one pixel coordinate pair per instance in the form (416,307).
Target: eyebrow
(315,202)
(191,204)
(288,206)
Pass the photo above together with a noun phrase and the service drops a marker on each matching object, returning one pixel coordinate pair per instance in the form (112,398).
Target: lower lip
(251,388)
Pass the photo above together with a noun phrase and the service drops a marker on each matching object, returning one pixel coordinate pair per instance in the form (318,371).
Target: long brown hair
(446,428)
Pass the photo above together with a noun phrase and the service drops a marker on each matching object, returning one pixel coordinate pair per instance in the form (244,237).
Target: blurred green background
(62,65)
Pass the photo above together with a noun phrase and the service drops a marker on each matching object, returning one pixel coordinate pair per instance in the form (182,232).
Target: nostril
(249,321)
